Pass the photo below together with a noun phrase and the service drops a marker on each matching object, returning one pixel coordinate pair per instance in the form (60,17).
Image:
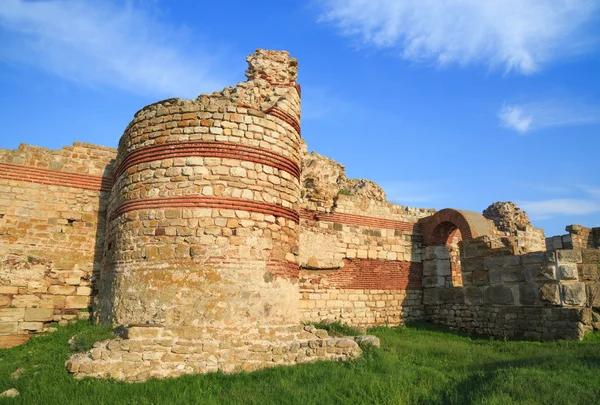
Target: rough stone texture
(507,216)
(513,221)
(213,227)
(158,352)
(52,205)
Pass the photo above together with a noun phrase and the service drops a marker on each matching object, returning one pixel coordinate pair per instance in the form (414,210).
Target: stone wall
(578,237)
(536,295)
(52,205)
(361,262)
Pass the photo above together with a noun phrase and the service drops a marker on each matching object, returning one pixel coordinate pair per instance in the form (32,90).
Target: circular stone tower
(202,225)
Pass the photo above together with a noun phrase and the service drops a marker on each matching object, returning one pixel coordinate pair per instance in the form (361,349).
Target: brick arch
(439,228)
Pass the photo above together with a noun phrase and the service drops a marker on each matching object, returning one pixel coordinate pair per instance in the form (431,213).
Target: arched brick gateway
(440,227)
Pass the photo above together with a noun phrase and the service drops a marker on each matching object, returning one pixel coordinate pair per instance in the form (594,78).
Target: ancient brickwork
(52,205)
(535,295)
(361,262)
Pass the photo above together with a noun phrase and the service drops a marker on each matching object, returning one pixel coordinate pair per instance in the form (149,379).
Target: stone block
(498,295)
(493,263)
(31,326)
(368,340)
(429,268)
(5,301)
(430,252)
(12,314)
(593,290)
(480,278)
(495,276)
(143,332)
(590,256)
(513,275)
(528,294)
(431,296)
(571,256)
(539,273)
(534,258)
(574,294)
(567,271)
(434,281)
(441,252)
(472,264)
(77,301)
(473,295)
(511,261)
(550,293)
(8,290)
(443,267)
(84,291)
(39,314)
(589,272)
(61,289)
(8,327)
(452,295)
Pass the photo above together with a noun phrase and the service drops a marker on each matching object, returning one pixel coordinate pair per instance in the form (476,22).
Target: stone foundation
(156,352)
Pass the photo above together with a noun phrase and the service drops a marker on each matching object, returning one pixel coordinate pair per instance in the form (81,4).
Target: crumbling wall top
(274,66)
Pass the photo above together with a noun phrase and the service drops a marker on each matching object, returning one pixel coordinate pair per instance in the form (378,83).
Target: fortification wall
(539,295)
(361,262)
(52,205)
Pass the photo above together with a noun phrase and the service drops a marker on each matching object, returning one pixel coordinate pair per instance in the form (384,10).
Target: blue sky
(444,103)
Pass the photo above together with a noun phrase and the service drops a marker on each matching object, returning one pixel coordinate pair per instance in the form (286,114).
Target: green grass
(420,364)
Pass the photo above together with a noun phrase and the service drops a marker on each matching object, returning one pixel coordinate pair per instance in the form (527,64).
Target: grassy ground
(417,364)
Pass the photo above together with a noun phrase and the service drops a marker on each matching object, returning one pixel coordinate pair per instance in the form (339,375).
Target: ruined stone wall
(538,295)
(578,237)
(361,262)
(203,218)
(52,205)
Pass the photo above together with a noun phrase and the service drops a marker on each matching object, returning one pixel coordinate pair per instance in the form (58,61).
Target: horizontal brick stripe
(284,116)
(227,150)
(206,202)
(371,274)
(360,220)
(54,177)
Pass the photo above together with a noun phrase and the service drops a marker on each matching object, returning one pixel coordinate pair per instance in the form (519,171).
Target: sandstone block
(574,294)
(31,326)
(572,256)
(498,295)
(550,293)
(84,291)
(77,301)
(528,294)
(368,340)
(26,301)
(568,271)
(61,289)
(39,314)
(12,314)
(473,295)
(143,332)
(9,290)
(8,327)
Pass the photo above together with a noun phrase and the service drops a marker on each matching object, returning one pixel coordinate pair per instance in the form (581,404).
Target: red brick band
(360,220)
(228,150)
(284,116)
(372,274)
(54,177)
(194,201)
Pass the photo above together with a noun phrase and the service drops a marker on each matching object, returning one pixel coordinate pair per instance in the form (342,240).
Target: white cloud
(549,113)
(521,35)
(413,193)
(560,206)
(99,43)
(513,117)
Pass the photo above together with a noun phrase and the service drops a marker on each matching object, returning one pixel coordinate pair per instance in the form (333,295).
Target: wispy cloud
(578,200)
(532,116)
(520,35)
(102,44)
(413,193)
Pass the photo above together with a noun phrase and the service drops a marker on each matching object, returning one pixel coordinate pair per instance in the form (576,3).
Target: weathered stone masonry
(212,233)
